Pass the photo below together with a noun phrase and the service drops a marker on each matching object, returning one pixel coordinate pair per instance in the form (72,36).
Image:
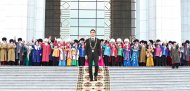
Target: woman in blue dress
(127,53)
(36,54)
(135,55)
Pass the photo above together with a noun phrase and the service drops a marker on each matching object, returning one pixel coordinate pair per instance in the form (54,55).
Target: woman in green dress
(175,55)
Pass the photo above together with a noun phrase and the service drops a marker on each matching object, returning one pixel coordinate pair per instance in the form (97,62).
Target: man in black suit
(93,53)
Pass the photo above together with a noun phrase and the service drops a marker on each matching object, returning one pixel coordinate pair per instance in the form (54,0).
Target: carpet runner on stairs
(102,83)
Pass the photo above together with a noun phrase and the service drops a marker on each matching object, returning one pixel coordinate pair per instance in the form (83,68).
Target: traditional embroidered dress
(28,55)
(135,56)
(119,52)
(36,55)
(74,53)
(120,55)
(142,54)
(107,52)
(63,56)
(55,55)
(127,55)
(175,55)
(46,51)
(69,55)
(113,54)
(158,53)
(25,55)
(149,54)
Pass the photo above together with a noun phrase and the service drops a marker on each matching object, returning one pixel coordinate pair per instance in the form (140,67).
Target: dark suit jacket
(89,50)
(21,48)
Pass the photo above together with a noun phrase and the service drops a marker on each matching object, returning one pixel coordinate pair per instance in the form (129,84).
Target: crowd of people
(114,52)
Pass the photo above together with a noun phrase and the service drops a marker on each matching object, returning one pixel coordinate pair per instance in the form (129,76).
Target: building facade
(142,19)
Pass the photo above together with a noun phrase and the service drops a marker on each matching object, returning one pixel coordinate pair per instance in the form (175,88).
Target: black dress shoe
(95,78)
(91,79)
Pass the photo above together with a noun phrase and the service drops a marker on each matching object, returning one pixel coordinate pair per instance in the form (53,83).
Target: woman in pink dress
(113,52)
(101,61)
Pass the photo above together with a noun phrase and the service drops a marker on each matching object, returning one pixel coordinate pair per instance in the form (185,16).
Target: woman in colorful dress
(120,52)
(175,55)
(27,53)
(113,52)
(63,54)
(149,54)
(56,53)
(158,54)
(107,52)
(135,54)
(36,54)
(46,51)
(75,53)
(69,52)
(127,53)
(142,60)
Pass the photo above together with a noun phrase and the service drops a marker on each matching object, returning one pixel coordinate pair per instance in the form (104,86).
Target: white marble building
(161,19)
(155,19)
(22,18)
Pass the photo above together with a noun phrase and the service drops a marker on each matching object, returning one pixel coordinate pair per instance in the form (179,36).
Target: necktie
(93,39)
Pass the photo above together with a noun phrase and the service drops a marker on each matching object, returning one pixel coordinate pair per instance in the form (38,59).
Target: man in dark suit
(93,53)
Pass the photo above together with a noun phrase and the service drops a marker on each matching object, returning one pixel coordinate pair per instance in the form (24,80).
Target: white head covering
(108,39)
(126,40)
(59,40)
(46,40)
(112,40)
(119,40)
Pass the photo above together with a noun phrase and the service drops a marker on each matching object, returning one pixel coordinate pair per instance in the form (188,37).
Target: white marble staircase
(16,78)
(30,78)
(149,79)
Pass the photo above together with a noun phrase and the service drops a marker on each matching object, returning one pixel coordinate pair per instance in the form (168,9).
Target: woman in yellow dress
(55,55)
(149,54)
(69,54)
